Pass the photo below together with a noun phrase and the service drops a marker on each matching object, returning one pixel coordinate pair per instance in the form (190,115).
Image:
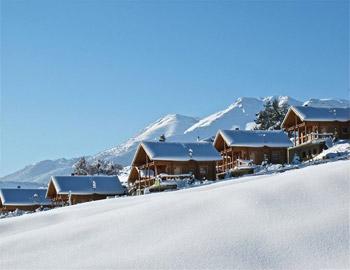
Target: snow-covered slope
(327,103)
(295,220)
(40,172)
(172,126)
(176,127)
(240,114)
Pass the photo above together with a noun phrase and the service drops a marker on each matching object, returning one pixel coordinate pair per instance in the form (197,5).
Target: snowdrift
(294,220)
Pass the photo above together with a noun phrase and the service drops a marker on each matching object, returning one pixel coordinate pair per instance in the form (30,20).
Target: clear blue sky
(78,77)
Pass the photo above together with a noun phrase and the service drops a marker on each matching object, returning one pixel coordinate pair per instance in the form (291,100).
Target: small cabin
(23,199)
(172,159)
(253,145)
(310,127)
(78,189)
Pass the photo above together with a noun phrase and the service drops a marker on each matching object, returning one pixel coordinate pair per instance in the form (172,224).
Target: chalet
(309,128)
(23,199)
(78,189)
(172,159)
(250,145)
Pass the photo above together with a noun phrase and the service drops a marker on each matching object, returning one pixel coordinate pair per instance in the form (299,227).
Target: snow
(322,114)
(39,172)
(327,103)
(172,126)
(340,149)
(21,196)
(237,115)
(295,220)
(200,151)
(124,174)
(255,138)
(105,185)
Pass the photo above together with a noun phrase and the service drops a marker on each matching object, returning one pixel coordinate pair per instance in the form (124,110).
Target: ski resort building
(311,127)
(78,189)
(23,199)
(172,160)
(253,146)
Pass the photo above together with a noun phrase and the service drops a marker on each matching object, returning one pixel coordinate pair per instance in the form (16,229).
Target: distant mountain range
(240,114)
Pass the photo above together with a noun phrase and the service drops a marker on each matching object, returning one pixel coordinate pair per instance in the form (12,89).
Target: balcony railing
(304,138)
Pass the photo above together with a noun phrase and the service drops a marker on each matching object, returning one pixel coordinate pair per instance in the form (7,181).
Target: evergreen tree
(97,167)
(271,116)
(81,167)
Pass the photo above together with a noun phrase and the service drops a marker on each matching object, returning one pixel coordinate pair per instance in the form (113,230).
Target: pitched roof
(21,196)
(87,185)
(321,114)
(255,138)
(200,151)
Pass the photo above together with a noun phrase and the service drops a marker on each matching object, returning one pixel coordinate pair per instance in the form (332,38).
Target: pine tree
(271,116)
(97,167)
(81,167)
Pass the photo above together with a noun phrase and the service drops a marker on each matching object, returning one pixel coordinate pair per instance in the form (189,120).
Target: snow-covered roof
(255,138)
(199,151)
(87,185)
(320,114)
(22,196)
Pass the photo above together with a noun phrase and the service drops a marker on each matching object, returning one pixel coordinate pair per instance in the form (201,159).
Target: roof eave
(295,110)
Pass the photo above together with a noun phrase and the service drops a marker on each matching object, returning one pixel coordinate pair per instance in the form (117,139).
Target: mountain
(240,114)
(39,173)
(172,126)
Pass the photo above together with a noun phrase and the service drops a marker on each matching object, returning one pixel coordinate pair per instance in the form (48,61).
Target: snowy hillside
(295,220)
(176,127)
(241,114)
(172,126)
(40,172)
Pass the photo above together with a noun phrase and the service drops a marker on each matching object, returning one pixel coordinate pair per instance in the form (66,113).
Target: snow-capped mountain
(172,126)
(240,114)
(39,173)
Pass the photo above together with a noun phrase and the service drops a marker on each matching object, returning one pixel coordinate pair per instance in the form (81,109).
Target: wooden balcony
(313,136)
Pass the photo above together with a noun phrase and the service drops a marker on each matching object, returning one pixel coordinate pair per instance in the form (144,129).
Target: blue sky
(78,77)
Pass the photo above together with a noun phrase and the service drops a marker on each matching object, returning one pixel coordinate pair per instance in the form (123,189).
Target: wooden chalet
(250,145)
(23,199)
(309,128)
(77,189)
(172,160)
